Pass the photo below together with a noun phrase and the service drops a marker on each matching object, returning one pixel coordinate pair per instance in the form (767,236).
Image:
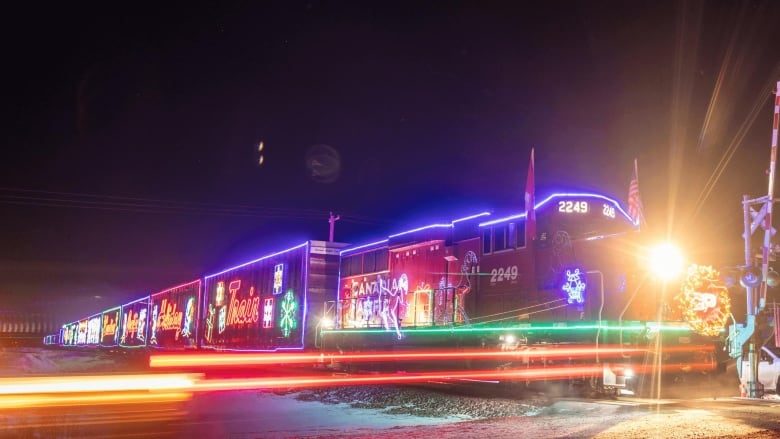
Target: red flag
(635,208)
(530,210)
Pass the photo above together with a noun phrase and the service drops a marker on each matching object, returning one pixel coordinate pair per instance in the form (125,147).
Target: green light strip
(564,326)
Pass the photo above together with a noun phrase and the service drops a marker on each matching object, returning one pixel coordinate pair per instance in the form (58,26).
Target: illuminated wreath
(704,300)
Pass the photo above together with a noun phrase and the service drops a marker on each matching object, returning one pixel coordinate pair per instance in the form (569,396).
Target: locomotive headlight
(666,261)
(628,373)
(326,322)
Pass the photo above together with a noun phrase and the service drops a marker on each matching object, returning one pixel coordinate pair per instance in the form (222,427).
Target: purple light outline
(430,226)
(303,326)
(470,217)
(175,288)
(341,253)
(257,260)
(561,195)
(200,282)
(305,261)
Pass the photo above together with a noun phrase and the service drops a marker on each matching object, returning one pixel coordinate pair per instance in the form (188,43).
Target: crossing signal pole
(751,278)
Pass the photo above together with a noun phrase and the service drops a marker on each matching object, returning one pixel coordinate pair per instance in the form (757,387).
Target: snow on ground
(44,361)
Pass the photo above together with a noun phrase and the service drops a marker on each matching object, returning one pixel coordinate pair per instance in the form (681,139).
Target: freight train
(570,274)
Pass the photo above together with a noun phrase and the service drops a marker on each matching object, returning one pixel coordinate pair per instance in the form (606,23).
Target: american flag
(635,209)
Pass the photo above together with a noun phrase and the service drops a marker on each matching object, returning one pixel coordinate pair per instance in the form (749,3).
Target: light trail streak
(96,383)
(375,379)
(150,388)
(225,359)
(519,374)
(92,399)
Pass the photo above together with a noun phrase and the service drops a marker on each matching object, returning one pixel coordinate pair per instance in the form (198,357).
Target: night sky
(130,132)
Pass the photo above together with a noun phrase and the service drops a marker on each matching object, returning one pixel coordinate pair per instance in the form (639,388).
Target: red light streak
(519,374)
(231,359)
(148,388)
(375,379)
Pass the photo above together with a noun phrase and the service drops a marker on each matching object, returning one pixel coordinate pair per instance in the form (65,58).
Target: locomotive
(570,275)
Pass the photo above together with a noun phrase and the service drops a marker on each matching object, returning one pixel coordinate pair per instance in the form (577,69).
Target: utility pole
(332,220)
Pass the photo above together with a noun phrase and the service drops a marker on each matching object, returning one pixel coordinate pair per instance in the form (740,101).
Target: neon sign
(573,206)
(169,317)
(93,330)
(189,317)
(574,286)
(81,338)
(278,278)
(287,320)
(109,327)
(268,312)
(245,310)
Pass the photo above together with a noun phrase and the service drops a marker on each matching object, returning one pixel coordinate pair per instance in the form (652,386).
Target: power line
(54,199)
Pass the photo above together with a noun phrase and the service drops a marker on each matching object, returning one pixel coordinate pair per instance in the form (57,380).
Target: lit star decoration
(704,300)
(287,319)
(574,286)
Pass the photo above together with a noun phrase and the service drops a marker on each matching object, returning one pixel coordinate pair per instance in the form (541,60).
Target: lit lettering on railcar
(569,206)
(245,310)
(169,317)
(581,207)
(109,326)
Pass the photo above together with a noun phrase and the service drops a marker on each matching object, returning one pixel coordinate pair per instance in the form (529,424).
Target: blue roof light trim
(258,260)
(351,249)
(561,195)
(418,229)
(470,217)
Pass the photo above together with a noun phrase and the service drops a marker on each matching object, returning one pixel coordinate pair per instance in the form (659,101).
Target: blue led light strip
(258,259)
(561,195)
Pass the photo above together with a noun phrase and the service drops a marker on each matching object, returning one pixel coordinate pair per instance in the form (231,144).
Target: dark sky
(130,130)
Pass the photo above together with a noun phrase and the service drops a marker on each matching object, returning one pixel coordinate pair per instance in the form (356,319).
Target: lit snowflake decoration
(287,319)
(574,286)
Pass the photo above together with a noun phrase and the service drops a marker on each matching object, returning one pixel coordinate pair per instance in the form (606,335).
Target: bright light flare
(666,261)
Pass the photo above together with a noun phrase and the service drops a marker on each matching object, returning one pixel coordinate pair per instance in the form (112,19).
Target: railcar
(569,275)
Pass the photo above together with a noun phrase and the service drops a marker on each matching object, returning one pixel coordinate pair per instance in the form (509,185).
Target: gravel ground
(423,402)
(539,416)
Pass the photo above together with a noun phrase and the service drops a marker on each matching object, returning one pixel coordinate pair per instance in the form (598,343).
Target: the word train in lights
(574,286)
